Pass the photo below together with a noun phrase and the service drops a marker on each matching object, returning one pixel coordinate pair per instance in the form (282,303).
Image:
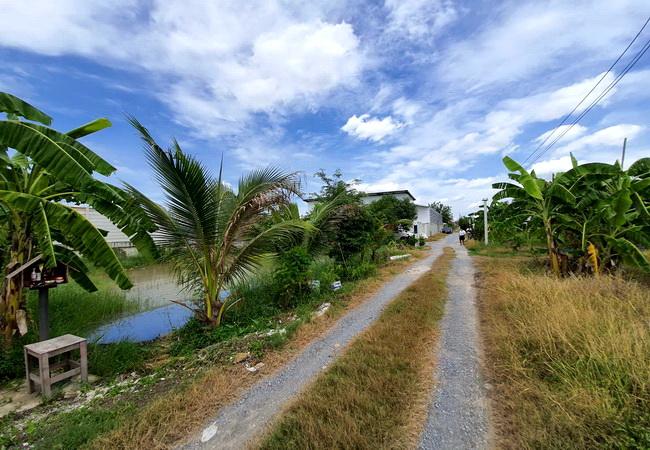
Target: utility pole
(623,155)
(485,220)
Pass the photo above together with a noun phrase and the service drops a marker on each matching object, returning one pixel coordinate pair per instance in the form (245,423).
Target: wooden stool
(44,350)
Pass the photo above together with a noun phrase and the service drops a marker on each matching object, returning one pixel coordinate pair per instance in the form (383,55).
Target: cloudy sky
(425,95)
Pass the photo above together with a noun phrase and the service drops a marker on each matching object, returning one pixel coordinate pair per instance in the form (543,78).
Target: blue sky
(425,95)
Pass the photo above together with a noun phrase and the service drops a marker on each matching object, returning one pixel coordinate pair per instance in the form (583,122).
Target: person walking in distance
(461,237)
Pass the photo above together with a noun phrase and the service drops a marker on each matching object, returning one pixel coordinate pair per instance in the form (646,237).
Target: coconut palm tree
(43,176)
(211,233)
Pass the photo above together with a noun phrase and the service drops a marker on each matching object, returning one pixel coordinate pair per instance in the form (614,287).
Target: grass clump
(570,358)
(120,357)
(375,395)
(76,428)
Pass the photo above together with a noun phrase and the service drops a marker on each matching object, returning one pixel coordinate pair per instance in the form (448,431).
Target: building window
(415,229)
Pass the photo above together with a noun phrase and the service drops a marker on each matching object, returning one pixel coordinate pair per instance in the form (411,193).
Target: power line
(630,65)
(590,91)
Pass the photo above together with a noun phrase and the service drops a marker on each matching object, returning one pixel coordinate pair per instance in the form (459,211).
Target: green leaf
(45,150)
(77,270)
(531,186)
(13,105)
(641,167)
(559,191)
(622,203)
(89,128)
(514,166)
(46,245)
(630,252)
(84,237)
(99,164)
(78,232)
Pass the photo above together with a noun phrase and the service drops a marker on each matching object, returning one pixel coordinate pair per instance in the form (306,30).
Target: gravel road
(235,425)
(458,415)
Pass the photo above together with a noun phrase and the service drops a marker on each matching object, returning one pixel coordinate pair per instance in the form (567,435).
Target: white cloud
(570,133)
(605,138)
(406,109)
(603,145)
(218,63)
(539,36)
(551,166)
(374,129)
(416,19)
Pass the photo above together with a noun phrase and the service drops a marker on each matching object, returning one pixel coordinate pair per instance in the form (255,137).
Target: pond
(155,289)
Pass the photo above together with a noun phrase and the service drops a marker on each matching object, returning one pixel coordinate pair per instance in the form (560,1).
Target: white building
(115,237)
(428,220)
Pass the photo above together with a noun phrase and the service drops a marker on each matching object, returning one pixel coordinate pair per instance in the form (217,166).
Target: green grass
(75,311)
(113,359)
(71,430)
(375,394)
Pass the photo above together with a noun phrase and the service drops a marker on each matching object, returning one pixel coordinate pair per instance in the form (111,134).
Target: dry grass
(569,358)
(376,394)
(173,416)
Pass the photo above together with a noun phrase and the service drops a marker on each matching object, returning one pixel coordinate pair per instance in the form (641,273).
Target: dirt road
(236,425)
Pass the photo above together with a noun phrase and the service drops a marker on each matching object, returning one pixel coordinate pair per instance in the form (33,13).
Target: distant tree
(444,210)
(335,186)
(394,214)
(465,222)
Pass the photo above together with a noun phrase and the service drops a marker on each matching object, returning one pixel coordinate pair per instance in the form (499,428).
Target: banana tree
(211,232)
(42,174)
(612,212)
(537,198)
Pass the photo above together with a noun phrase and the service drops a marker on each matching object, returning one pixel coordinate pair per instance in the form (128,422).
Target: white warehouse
(428,221)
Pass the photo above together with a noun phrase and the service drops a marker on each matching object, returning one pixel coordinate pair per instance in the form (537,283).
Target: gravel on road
(458,415)
(237,424)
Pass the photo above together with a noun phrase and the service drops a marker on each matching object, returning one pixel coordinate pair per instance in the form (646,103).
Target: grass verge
(375,395)
(569,358)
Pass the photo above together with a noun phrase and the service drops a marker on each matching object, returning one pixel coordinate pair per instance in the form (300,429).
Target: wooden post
(28,370)
(43,319)
(83,360)
(44,366)
(623,155)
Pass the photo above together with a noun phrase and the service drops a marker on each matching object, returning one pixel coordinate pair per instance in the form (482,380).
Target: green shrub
(359,271)
(421,241)
(291,278)
(409,240)
(325,270)
(252,299)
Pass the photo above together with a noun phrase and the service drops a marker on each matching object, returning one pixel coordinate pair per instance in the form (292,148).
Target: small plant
(291,278)
(421,241)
